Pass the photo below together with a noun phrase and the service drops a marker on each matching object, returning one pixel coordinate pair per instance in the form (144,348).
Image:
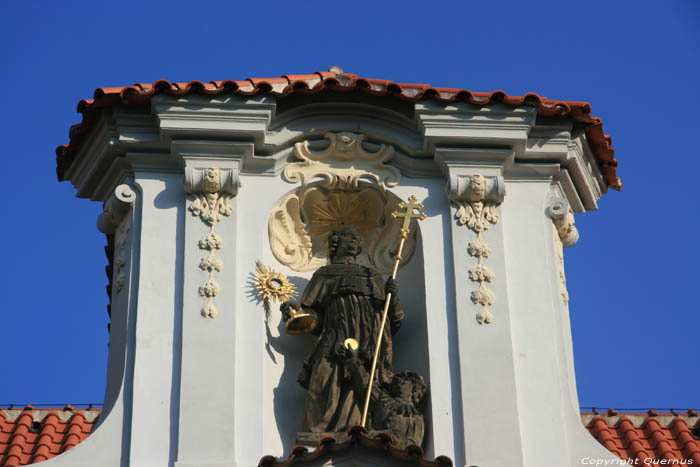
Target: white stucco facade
(188,390)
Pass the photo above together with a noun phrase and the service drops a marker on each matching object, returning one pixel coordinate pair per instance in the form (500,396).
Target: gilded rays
(338,210)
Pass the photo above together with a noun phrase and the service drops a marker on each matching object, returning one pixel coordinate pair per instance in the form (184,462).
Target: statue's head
(344,241)
(408,385)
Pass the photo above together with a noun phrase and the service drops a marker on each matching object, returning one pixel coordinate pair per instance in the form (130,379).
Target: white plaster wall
(139,429)
(440,365)
(266,389)
(221,392)
(551,429)
(488,382)
(154,397)
(208,350)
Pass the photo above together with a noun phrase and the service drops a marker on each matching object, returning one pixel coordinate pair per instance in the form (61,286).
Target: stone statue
(394,408)
(343,302)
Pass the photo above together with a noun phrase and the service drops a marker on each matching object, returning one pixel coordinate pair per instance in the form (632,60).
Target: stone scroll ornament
(115,221)
(212,189)
(345,161)
(344,181)
(477,198)
(565,235)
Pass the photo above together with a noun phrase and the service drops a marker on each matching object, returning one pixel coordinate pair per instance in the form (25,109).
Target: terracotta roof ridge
(140,94)
(38,434)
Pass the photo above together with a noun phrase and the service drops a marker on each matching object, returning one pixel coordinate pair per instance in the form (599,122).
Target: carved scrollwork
(121,238)
(477,198)
(352,191)
(344,162)
(565,235)
(476,215)
(298,227)
(114,220)
(562,216)
(116,207)
(212,189)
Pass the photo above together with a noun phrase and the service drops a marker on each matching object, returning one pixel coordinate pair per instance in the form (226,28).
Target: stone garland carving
(477,199)
(212,189)
(122,236)
(565,235)
(114,220)
(562,277)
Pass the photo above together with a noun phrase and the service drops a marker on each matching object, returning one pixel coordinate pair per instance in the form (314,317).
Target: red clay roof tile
(648,435)
(140,94)
(32,435)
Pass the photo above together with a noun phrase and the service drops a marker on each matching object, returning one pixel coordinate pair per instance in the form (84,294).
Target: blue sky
(633,276)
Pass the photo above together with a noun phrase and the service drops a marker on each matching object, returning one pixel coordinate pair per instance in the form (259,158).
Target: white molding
(229,116)
(471,125)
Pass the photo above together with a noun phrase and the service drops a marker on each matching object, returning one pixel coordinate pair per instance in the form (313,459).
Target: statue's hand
(340,352)
(391,287)
(286,309)
(353,363)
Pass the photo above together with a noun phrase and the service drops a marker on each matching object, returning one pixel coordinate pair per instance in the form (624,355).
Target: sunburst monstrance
(273,285)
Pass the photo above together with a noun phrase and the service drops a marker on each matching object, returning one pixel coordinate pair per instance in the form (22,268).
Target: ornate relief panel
(352,191)
(345,161)
(477,198)
(212,189)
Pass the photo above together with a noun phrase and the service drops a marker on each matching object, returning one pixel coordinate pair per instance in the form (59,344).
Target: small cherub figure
(393,407)
(403,418)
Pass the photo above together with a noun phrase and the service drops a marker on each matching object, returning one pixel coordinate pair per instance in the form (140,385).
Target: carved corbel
(477,198)
(212,189)
(476,188)
(115,208)
(565,234)
(560,212)
(114,221)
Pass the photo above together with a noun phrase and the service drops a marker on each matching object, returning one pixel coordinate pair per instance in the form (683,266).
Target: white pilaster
(154,389)
(208,323)
(487,376)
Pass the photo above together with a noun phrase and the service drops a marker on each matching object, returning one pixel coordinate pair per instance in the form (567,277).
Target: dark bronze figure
(342,305)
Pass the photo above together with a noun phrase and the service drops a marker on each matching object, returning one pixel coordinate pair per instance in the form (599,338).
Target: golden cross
(408,213)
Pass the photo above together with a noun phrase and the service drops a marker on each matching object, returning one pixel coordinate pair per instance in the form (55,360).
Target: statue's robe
(348,300)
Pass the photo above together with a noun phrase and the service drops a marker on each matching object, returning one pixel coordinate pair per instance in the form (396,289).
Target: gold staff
(407,215)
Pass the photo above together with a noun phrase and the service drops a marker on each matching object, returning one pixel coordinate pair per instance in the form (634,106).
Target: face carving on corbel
(345,143)
(211,203)
(477,198)
(211,180)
